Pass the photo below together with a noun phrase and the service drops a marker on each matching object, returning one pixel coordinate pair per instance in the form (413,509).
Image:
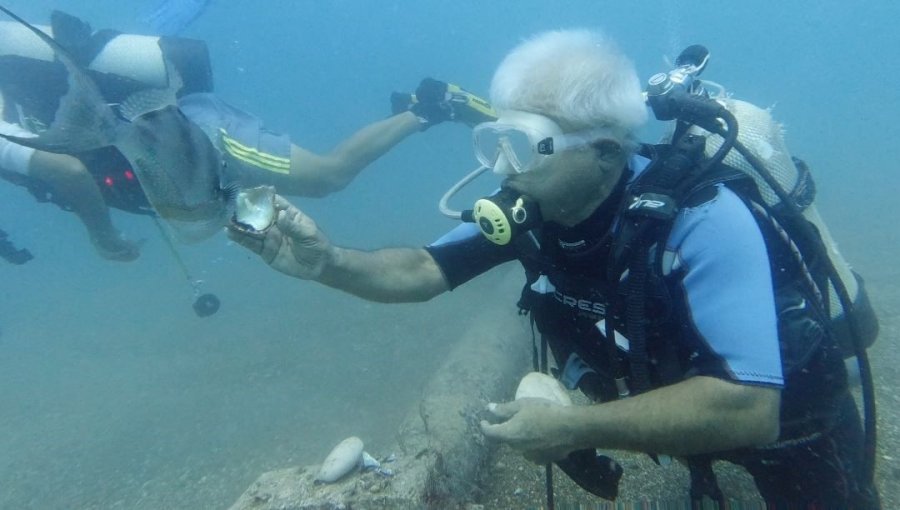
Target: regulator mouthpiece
(504,215)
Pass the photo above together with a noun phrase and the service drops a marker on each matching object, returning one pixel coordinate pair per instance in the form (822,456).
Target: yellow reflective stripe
(254,157)
(482,106)
(472,101)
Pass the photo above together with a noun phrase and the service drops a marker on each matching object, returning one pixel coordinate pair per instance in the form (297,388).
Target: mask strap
(580,138)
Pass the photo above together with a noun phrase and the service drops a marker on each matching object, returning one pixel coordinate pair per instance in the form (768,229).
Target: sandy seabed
(121,398)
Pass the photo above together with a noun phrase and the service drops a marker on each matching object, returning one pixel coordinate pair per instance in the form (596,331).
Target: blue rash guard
(716,261)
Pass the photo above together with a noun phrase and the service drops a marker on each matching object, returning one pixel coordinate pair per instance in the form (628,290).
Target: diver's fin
(597,474)
(73,34)
(83,121)
(12,254)
(148,100)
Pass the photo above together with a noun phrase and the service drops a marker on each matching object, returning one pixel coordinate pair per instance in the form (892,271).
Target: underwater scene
(149,356)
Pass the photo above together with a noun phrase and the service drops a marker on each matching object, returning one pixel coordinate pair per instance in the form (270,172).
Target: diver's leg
(73,184)
(319,175)
(296,171)
(258,156)
(316,175)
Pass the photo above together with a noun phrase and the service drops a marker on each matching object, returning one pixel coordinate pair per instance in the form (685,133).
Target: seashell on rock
(538,385)
(344,458)
(369,462)
(255,209)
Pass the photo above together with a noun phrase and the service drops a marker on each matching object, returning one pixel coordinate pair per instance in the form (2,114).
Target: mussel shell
(254,209)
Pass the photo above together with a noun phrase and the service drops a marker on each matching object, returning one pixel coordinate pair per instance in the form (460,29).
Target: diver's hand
(293,245)
(534,426)
(432,102)
(437,101)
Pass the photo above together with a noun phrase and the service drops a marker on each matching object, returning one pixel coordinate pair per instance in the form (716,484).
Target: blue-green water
(114,395)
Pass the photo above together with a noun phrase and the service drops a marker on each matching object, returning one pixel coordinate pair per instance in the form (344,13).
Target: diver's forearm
(394,275)
(372,142)
(699,415)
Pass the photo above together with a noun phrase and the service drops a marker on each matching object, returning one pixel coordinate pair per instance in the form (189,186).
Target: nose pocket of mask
(502,165)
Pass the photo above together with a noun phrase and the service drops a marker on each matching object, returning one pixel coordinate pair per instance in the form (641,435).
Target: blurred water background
(113,394)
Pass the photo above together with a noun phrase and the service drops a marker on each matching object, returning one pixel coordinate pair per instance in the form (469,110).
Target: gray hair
(578,77)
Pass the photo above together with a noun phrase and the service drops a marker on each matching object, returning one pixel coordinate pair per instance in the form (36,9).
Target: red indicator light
(108,181)
(129,175)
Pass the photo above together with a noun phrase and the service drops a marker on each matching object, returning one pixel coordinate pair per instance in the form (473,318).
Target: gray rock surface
(441,455)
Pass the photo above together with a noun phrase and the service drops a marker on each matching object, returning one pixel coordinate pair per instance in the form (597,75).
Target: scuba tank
(758,150)
(134,59)
(763,137)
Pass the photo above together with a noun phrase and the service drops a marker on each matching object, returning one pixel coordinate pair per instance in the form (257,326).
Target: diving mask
(518,141)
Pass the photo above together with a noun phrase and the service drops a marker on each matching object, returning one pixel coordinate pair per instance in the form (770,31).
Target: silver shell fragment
(255,209)
(369,462)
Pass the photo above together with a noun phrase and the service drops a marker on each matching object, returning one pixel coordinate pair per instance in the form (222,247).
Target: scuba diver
(125,65)
(689,298)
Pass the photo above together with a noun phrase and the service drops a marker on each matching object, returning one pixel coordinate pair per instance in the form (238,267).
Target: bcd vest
(570,299)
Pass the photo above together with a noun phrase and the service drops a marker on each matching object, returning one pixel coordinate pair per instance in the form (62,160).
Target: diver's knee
(59,170)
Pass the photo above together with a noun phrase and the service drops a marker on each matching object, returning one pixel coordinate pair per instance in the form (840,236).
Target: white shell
(369,462)
(255,207)
(538,385)
(344,458)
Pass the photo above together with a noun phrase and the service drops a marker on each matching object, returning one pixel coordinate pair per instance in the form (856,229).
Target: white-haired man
(569,103)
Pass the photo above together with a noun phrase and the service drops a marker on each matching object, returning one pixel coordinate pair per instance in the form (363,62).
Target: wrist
(578,428)
(425,115)
(336,270)
(414,122)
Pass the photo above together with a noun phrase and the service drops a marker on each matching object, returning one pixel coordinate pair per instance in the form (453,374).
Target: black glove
(597,474)
(401,102)
(437,101)
(432,102)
